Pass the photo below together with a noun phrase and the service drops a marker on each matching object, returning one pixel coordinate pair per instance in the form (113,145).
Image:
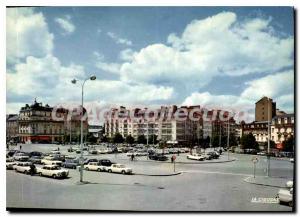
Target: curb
(180,162)
(261,184)
(171,174)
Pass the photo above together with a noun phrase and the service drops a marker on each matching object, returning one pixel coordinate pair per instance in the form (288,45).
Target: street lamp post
(228,136)
(268,155)
(92,78)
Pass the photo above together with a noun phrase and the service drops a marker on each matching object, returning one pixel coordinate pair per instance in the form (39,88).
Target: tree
(233,140)
(141,139)
(118,138)
(248,142)
(288,145)
(152,139)
(272,144)
(91,138)
(215,141)
(129,139)
(104,139)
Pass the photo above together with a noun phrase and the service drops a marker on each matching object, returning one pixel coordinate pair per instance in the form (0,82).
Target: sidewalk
(267,181)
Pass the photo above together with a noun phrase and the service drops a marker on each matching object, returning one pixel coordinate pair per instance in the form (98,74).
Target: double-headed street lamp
(74,81)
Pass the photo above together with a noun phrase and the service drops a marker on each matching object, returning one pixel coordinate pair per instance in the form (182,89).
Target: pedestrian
(58,149)
(178,152)
(132,157)
(32,169)
(20,147)
(172,159)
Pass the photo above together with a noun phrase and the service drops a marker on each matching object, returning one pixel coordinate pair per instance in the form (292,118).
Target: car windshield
(121,166)
(55,168)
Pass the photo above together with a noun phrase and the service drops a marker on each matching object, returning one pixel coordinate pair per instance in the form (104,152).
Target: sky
(226,57)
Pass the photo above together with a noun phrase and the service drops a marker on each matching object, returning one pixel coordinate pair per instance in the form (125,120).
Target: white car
(103,151)
(50,161)
(10,163)
(119,168)
(292,160)
(286,194)
(21,157)
(53,171)
(94,166)
(195,157)
(55,152)
(22,167)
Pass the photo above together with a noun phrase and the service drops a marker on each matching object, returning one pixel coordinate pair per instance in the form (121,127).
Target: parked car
(53,171)
(94,166)
(158,157)
(51,161)
(11,153)
(119,168)
(87,161)
(35,159)
(207,156)
(35,153)
(21,156)
(22,167)
(292,160)
(285,195)
(262,153)
(56,152)
(106,163)
(93,151)
(71,163)
(198,157)
(10,163)
(214,154)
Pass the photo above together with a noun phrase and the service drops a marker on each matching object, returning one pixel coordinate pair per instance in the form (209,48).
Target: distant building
(12,128)
(265,109)
(96,130)
(282,128)
(36,124)
(167,128)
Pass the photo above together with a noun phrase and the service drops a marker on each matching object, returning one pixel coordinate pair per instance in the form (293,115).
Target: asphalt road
(200,187)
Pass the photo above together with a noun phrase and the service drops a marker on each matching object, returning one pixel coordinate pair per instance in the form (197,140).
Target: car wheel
(109,171)
(291,203)
(87,169)
(99,170)
(40,174)
(74,167)
(26,172)
(123,172)
(54,176)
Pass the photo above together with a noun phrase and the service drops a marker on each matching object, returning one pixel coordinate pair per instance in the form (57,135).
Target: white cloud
(26,34)
(272,86)
(66,24)
(127,54)
(217,45)
(106,66)
(119,40)
(279,87)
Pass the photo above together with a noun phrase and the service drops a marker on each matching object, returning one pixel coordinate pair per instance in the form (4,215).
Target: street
(199,186)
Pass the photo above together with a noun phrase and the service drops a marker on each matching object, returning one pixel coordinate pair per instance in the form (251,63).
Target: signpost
(254,160)
(174,158)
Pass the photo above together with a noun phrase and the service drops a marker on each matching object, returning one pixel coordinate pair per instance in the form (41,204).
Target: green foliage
(141,139)
(118,138)
(105,139)
(129,139)
(248,142)
(288,145)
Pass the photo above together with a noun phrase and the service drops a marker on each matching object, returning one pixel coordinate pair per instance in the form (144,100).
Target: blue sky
(219,56)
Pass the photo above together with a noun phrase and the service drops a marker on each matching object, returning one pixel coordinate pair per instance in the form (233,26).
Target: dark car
(93,151)
(158,157)
(35,153)
(213,154)
(59,157)
(35,159)
(11,153)
(87,161)
(71,163)
(105,162)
